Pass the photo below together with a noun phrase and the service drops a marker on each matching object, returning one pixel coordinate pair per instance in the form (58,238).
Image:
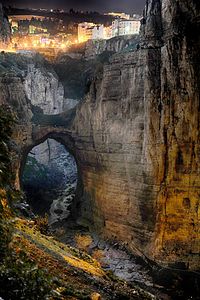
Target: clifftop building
(91,31)
(122,25)
(85,31)
(125,27)
(100,32)
(119,15)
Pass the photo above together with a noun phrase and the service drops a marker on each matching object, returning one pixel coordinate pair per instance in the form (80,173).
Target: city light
(32,33)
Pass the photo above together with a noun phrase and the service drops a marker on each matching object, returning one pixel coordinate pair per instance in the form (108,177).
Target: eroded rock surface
(135,137)
(139,143)
(117,44)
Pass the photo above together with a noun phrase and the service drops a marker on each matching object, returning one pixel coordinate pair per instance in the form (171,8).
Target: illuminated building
(14,25)
(99,32)
(119,15)
(85,31)
(35,29)
(25,17)
(125,27)
(108,32)
(91,31)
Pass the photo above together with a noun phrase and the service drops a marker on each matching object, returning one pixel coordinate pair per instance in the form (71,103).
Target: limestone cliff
(29,86)
(139,143)
(135,138)
(44,90)
(172,127)
(94,48)
(50,172)
(117,178)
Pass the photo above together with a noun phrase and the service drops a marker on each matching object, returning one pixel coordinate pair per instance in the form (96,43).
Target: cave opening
(49,179)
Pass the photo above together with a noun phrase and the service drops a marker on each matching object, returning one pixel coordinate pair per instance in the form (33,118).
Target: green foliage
(35,170)
(78,294)
(5,237)
(6,124)
(42,224)
(21,279)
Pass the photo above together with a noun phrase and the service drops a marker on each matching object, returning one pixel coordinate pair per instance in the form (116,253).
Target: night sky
(128,6)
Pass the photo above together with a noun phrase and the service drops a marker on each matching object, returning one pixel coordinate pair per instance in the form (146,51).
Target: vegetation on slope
(6,123)
(19,277)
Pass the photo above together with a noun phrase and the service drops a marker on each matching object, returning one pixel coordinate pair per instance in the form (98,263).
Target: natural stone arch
(68,142)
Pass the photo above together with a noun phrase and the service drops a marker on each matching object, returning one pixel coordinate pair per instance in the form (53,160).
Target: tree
(6,124)
(71,11)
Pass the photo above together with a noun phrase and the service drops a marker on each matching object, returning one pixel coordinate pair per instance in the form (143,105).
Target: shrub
(21,279)
(42,224)
(6,124)
(5,237)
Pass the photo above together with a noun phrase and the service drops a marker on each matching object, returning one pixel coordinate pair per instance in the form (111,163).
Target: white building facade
(90,31)
(125,27)
(100,32)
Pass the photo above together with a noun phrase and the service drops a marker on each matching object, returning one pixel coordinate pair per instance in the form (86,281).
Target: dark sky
(129,6)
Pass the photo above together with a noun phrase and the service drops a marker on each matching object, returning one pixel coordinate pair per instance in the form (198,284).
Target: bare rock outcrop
(94,48)
(135,138)
(139,139)
(44,89)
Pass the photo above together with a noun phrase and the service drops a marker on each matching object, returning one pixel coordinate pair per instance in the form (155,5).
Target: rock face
(50,175)
(135,138)
(124,43)
(139,145)
(117,175)
(44,90)
(5,30)
(172,128)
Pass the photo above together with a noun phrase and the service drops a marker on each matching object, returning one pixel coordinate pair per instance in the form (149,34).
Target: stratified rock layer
(172,106)
(135,138)
(117,44)
(139,139)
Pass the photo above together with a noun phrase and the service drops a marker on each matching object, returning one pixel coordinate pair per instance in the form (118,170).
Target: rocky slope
(136,139)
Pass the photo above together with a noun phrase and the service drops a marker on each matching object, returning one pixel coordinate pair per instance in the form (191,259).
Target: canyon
(134,135)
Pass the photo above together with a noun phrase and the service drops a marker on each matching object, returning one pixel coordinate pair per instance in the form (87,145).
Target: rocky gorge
(134,135)
(138,151)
